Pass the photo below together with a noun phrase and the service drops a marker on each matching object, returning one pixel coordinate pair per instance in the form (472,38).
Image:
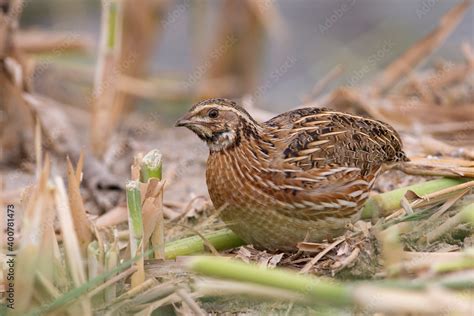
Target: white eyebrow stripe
(226,108)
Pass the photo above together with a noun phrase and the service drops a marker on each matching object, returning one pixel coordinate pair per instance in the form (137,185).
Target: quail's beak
(184,121)
(195,124)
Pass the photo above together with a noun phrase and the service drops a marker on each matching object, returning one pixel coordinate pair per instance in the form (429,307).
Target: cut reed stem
(385,203)
(151,166)
(221,240)
(134,215)
(319,290)
(135,223)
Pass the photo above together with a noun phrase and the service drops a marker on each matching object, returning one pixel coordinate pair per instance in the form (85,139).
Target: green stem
(112,25)
(111,261)
(467,214)
(383,204)
(318,290)
(221,240)
(466,262)
(135,221)
(94,264)
(466,282)
(151,166)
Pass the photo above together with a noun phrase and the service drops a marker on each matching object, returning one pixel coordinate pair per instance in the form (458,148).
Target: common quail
(303,175)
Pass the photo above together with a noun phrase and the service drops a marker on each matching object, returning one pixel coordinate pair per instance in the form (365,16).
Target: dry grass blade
(153,221)
(190,302)
(115,216)
(435,146)
(450,224)
(30,243)
(143,287)
(149,219)
(321,84)
(415,168)
(111,281)
(78,212)
(342,97)
(156,292)
(421,50)
(70,239)
(436,197)
(313,261)
(311,246)
(148,310)
(50,264)
(450,202)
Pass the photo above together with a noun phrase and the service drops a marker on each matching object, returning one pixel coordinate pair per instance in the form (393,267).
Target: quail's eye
(213,113)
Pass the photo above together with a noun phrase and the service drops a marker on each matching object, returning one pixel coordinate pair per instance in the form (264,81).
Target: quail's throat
(222,140)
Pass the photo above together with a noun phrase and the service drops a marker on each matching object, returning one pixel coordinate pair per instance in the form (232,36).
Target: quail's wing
(313,138)
(330,160)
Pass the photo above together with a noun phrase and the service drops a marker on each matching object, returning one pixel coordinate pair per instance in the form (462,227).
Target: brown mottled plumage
(304,174)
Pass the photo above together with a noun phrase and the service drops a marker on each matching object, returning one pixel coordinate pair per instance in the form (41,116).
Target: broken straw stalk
(134,215)
(326,291)
(151,174)
(145,210)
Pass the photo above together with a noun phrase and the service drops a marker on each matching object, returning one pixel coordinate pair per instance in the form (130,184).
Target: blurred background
(111,77)
(88,88)
(285,46)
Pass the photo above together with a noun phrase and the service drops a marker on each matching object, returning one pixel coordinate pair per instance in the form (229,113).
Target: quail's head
(219,122)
